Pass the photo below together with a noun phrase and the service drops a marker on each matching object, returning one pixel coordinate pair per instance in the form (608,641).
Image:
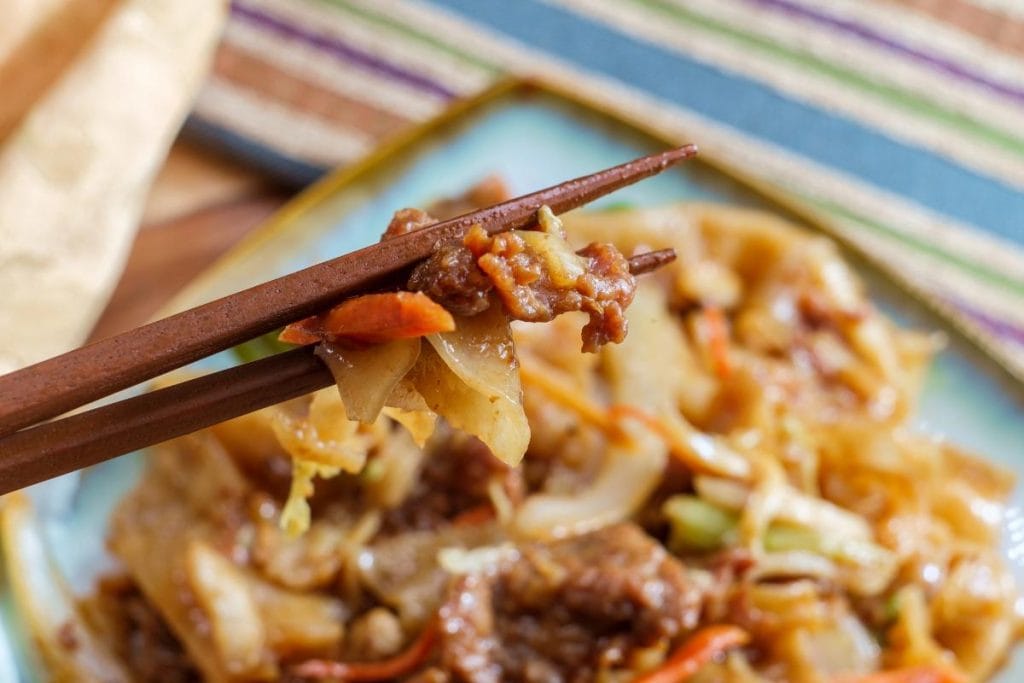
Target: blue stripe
(288,170)
(756,109)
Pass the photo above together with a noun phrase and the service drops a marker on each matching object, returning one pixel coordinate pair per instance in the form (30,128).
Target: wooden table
(200,205)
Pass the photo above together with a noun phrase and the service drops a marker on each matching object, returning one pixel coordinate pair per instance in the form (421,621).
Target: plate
(533,137)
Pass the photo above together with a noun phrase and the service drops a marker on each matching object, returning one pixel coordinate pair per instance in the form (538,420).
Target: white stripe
(1011,8)
(922,32)
(804,85)
(919,281)
(781,168)
(413,56)
(876,63)
(771,162)
(934,274)
(269,123)
(322,69)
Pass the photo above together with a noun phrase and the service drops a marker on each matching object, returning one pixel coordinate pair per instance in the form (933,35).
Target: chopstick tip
(651,261)
(673,156)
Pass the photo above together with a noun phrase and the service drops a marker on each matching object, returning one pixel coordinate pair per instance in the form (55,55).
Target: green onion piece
(697,524)
(260,347)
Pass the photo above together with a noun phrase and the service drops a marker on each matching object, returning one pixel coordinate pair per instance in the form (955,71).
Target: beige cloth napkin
(75,171)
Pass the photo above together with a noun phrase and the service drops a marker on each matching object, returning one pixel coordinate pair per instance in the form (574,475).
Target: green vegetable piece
(697,524)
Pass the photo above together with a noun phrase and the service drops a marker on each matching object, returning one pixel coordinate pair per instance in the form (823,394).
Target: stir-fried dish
(732,492)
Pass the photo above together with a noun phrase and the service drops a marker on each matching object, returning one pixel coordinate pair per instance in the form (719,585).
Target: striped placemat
(902,120)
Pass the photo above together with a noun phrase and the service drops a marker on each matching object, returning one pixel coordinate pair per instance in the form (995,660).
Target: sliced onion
(481,353)
(469,377)
(325,436)
(794,507)
(792,564)
(631,471)
(497,421)
(419,423)
(406,397)
(250,618)
(458,560)
(44,604)
(236,628)
(366,376)
(843,648)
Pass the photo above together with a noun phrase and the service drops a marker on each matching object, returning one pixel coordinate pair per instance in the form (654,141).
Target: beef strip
(490,190)
(462,276)
(407,220)
(563,610)
(454,480)
(452,278)
(139,635)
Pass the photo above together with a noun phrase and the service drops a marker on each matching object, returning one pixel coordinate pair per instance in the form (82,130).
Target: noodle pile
(741,473)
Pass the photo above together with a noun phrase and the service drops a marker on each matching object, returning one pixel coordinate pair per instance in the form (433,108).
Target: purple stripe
(338,48)
(869,35)
(1000,328)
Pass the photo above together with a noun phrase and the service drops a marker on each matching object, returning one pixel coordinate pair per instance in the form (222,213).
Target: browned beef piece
(607,289)
(454,479)
(490,190)
(522,279)
(139,636)
(461,277)
(563,610)
(407,220)
(452,278)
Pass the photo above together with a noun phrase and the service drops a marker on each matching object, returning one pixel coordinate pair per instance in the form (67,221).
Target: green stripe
(980,272)
(409,32)
(890,94)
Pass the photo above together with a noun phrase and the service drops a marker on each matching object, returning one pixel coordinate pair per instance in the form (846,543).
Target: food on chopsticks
(736,492)
(536,276)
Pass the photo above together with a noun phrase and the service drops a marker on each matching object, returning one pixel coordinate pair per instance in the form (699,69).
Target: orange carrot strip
(718,340)
(652,422)
(474,516)
(399,665)
(376,318)
(306,331)
(564,394)
(701,648)
(373,319)
(917,674)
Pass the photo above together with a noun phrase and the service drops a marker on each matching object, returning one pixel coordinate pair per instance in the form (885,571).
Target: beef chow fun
(539,466)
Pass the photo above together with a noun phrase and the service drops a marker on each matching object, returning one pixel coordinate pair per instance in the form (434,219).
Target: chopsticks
(55,386)
(52,387)
(88,438)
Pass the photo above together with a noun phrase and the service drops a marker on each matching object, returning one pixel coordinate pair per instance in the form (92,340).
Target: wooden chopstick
(88,438)
(55,386)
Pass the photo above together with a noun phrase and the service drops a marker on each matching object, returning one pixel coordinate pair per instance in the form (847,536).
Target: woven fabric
(901,120)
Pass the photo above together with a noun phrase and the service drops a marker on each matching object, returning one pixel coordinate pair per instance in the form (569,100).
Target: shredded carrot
(474,516)
(702,647)
(677,439)
(399,665)
(374,319)
(718,340)
(304,332)
(567,396)
(653,422)
(917,674)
